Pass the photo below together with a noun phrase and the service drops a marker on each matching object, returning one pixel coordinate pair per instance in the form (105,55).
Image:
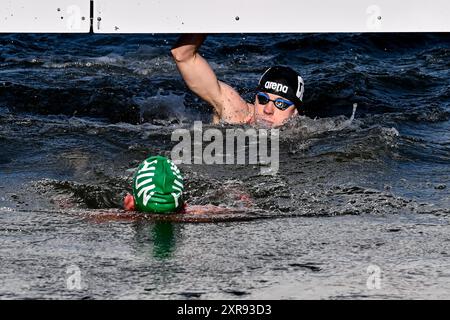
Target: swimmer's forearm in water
(129,205)
(206,209)
(158,188)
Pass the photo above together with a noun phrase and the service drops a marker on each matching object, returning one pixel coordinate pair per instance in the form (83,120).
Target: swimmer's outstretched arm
(201,79)
(129,205)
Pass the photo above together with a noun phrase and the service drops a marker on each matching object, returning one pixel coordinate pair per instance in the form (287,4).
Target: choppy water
(79,112)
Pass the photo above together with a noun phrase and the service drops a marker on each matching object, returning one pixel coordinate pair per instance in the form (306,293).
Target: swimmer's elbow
(182,54)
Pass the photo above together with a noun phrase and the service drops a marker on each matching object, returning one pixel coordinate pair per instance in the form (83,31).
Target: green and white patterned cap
(157,186)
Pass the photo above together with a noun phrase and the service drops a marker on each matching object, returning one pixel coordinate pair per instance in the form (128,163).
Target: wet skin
(269,115)
(129,205)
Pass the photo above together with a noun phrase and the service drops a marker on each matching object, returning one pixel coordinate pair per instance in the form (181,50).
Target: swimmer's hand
(128,203)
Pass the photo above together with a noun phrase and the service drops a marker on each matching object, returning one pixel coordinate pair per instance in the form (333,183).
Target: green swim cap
(157,186)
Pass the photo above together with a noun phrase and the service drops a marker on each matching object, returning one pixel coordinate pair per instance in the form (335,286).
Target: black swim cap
(283,81)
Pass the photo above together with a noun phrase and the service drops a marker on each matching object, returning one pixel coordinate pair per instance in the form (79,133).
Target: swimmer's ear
(128,203)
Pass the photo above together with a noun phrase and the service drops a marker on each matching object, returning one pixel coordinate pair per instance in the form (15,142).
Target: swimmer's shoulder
(237,112)
(231,108)
(239,116)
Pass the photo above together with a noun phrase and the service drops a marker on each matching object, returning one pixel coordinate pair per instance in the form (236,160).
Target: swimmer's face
(269,115)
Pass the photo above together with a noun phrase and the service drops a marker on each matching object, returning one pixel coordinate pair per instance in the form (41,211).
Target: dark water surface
(78,113)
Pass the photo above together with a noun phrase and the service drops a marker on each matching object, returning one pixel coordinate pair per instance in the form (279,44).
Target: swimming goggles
(280,103)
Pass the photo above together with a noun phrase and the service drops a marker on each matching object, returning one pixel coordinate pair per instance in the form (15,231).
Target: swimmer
(158,188)
(278,96)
